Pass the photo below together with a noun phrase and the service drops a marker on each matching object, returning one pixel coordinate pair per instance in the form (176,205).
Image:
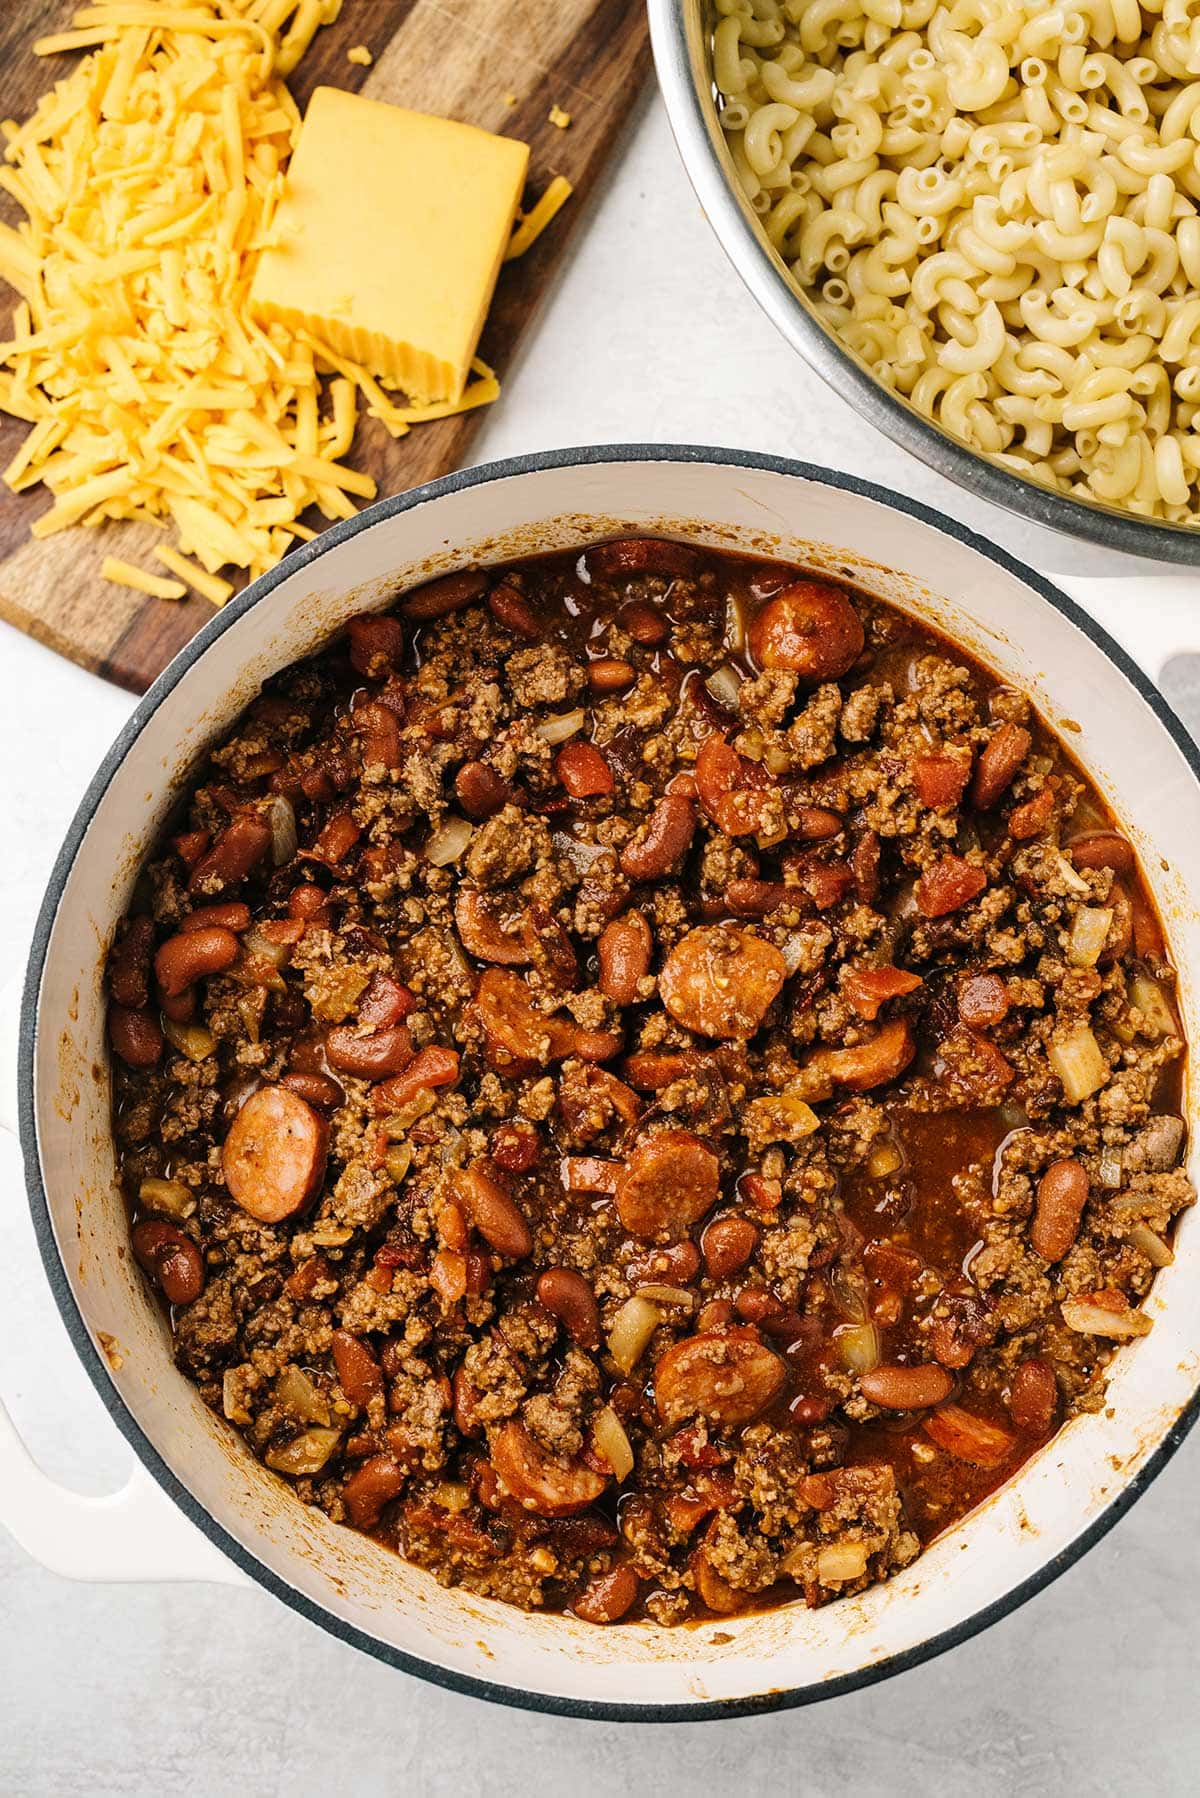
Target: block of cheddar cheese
(389,236)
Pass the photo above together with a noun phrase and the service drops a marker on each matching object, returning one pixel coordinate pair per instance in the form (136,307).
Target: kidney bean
(492,1211)
(967,1437)
(675,1264)
(511,609)
(336,839)
(235,853)
(765,1194)
(624,950)
(609,1596)
(712,1588)
(374,1057)
(233,916)
(983,1001)
(385,1002)
(1061,1196)
(273,1158)
(756,1305)
(896,1388)
(998,765)
(370,1487)
(1102,849)
(129,964)
(941,780)
(481,791)
(721,981)
(315,1089)
(311,904)
(449,594)
(539,1482)
(651,1072)
(948,884)
(448,1277)
(567,1296)
(191,846)
(717,1314)
(609,674)
(641,555)
(644,623)
(864,865)
(376,643)
(191,955)
(810,627)
(869,988)
(433,1066)
(171,1259)
(135,1036)
(726,1379)
(358,1371)
(759,898)
(668,1183)
(583,771)
(727,1245)
(662,841)
(1033,1397)
(179,1007)
(815,823)
(379,728)
(1032,817)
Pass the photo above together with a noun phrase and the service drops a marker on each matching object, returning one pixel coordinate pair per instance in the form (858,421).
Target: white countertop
(119,1689)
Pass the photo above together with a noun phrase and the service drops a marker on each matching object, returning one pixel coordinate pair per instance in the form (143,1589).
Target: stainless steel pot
(680,36)
(198,1505)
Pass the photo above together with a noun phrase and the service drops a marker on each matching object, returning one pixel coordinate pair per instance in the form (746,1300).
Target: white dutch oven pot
(199,1505)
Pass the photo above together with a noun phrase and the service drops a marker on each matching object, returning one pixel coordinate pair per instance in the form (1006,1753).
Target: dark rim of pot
(97,1368)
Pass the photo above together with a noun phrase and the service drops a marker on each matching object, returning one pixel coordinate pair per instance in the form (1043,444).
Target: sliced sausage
(539,1482)
(810,627)
(721,981)
(726,1379)
(668,1183)
(274,1155)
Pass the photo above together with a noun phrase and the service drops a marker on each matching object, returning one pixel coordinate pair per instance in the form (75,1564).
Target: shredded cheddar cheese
(359,54)
(559,118)
(149,176)
(125,574)
(530,228)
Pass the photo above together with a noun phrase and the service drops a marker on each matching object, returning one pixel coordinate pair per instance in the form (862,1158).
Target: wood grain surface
(499,64)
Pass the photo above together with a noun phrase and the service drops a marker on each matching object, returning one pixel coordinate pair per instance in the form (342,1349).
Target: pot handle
(1153,614)
(136,1533)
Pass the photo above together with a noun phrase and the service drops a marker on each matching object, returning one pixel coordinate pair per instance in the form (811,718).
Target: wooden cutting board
(499,64)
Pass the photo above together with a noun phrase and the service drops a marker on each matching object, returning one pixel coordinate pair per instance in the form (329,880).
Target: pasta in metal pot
(996,205)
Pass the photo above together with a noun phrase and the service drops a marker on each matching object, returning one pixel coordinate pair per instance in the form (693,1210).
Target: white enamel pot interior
(1026,631)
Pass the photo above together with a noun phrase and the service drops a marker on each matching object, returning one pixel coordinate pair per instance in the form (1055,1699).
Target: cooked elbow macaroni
(996,205)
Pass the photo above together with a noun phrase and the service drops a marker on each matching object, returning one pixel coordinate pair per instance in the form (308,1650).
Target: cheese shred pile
(149,176)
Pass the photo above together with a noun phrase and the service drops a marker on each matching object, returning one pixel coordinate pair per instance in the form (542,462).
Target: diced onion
(1157,1017)
(849,1290)
(192,1040)
(841,1562)
(883,1160)
(735,625)
(1089,933)
(858,1347)
(281,817)
(448,843)
(1077,1061)
(231,1397)
(1110,1170)
(397,1123)
(255,943)
(797,946)
(398,1160)
(611,1443)
(296,1393)
(334,998)
(1072,879)
(780,1117)
(305,1454)
(563,725)
(1152,1246)
(171,1196)
(633,1326)
(725,683)
(666,1295)
(451,1495)
(1091,1316)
